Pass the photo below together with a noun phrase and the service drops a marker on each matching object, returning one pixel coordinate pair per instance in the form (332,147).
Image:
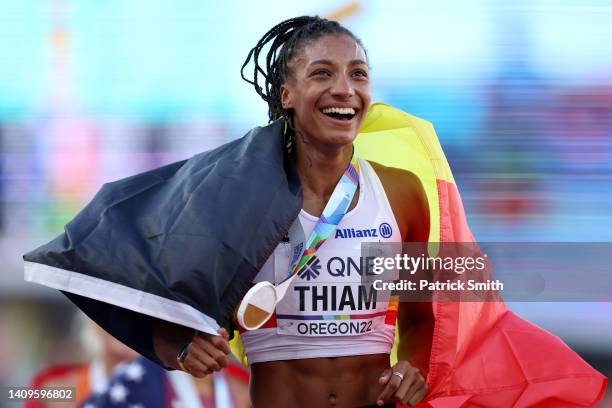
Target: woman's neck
(320,170)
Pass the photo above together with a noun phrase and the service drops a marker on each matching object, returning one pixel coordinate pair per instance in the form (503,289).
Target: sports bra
(327,311)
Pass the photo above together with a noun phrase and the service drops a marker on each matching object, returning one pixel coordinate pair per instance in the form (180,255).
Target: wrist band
(182,354)
(180,357)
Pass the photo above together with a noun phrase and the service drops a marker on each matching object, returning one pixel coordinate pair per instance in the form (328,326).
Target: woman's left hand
(404,384)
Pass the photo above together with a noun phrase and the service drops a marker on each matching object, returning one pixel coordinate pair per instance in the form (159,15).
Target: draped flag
(482,354)
(181,243)
(184,242)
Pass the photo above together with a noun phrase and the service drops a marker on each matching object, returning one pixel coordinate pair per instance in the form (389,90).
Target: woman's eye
(360,73)
(321,72)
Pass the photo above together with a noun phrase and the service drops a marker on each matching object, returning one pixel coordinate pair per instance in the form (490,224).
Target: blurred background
(520,93)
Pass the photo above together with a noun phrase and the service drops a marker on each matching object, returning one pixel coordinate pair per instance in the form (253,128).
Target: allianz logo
(384,230)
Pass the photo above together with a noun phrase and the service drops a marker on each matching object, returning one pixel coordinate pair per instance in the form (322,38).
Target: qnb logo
(385,230)
(311,270)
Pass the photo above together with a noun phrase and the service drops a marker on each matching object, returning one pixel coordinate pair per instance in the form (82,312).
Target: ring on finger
(398,374)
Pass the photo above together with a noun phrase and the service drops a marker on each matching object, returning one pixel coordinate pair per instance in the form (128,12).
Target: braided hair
(287,39)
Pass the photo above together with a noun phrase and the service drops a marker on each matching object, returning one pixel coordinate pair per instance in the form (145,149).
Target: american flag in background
(143,384)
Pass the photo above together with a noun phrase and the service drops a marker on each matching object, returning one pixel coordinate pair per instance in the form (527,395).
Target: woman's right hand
(206,352)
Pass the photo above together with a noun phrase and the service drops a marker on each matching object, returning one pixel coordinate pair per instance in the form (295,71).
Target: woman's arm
(415,325)
(405,381)
(416,319)
(205,352)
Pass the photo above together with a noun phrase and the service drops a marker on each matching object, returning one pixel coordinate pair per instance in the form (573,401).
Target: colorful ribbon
(333,212)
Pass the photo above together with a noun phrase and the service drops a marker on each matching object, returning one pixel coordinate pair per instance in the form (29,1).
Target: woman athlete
(317,79)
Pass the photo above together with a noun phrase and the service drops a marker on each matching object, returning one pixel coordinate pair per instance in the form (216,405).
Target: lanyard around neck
(333,212)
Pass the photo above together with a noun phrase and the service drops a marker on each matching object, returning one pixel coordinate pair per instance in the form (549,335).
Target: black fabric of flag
(182,242)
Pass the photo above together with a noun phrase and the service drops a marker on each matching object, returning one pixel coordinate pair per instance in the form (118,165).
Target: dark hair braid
(287,39)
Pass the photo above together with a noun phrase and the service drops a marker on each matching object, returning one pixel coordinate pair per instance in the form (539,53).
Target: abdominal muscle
(318,382)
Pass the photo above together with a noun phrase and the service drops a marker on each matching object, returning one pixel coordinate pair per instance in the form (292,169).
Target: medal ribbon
(333,212)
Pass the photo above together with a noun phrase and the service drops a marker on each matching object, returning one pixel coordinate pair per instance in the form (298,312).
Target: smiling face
(328,90)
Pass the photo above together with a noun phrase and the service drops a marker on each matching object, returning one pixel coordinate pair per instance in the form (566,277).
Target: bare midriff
(339,382)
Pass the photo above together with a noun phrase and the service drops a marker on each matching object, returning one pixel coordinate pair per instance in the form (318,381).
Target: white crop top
(326,311)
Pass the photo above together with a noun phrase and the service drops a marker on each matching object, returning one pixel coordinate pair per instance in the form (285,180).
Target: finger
(390,389)
(409,395)
(203,356)
(203,372)
(194,366)
(419,395)
(407,386)
(210,363)
(417,384)
(221,343)
(384,376)
(401,367)
(222,332)
(209,344)
(219,356)
(199,372)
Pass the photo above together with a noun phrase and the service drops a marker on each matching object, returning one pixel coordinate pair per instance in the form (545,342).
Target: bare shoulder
(408,200)
(397,179)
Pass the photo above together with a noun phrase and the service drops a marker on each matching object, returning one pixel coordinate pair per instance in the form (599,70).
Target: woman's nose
(342,87)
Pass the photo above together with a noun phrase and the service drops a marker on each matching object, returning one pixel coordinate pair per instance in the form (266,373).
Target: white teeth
(342,111)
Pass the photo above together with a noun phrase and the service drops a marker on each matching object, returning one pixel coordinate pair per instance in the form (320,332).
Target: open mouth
(340,113)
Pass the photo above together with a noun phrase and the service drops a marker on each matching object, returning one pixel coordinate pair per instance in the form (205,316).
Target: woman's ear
(285,96)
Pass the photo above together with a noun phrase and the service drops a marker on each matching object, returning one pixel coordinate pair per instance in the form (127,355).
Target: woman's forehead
(334,48)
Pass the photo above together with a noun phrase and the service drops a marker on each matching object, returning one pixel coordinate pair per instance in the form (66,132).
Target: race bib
(330,296)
